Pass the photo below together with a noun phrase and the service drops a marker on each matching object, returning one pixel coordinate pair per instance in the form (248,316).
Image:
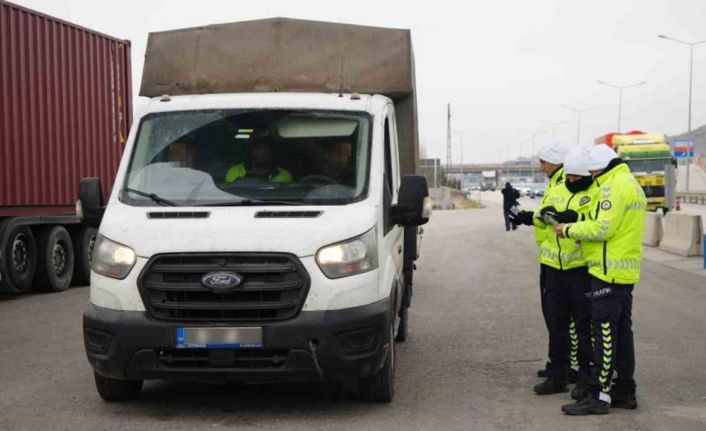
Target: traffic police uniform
(542,231)
(567,283)
(553,153)
(612,246)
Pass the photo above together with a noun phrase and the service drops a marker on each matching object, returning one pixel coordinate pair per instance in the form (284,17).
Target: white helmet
(576,162)
(553,152)
(600,156)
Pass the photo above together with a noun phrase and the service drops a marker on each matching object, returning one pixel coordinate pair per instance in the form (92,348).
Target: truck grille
(218,358)
(274,287)
(653,191)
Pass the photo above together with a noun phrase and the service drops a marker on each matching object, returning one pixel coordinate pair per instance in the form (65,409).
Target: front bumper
(655,203)
(349,343)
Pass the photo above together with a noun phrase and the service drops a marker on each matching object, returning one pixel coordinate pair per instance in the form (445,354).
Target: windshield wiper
(155,198)
(248,202)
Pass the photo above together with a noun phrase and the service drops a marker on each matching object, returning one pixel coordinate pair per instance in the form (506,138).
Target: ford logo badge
(222,282)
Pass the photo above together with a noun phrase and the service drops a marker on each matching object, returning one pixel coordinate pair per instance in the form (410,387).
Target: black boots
(582,388)
(586,406)
(553,385)
(623,397)
(572,376)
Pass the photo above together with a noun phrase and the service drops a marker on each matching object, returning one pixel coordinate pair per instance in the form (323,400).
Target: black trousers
(614,345)
(566,305)
(508,223)
(542,284)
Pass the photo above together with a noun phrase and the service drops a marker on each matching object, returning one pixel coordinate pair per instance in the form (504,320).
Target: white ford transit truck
(265,216)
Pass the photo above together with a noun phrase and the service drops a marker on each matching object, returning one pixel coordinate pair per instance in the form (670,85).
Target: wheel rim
(58,259)
(20,254)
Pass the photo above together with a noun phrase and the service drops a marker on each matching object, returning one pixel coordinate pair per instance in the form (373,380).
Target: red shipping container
(65,110)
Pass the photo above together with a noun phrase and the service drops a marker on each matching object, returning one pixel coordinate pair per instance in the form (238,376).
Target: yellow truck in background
(648,155)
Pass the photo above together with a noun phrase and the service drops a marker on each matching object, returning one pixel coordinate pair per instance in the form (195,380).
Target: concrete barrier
(683,234)
(652,235)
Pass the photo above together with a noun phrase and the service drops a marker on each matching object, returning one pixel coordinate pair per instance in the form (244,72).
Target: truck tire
(55,260)
(117,390)
(380,387)
(402,327)
(19,262)
(84,239)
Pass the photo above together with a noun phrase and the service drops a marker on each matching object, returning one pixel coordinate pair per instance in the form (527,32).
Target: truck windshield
(271,157)
(648,165)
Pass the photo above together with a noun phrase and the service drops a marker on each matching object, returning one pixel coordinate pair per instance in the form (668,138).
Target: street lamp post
(691,46)
(534,139)
(578,112)
(554,124)
(620,89)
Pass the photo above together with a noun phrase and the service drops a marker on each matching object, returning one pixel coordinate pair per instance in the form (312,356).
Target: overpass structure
(514,171)
(522,168)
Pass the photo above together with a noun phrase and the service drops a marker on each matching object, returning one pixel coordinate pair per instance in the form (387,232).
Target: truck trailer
(649,157)
(65,111)
(263,224)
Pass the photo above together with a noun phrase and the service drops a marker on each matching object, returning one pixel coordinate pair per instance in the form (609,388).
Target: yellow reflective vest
(280,175)
(541,229)
(612,236)
(565,253)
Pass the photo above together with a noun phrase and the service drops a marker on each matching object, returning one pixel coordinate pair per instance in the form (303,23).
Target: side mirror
(91,199)
(413,204)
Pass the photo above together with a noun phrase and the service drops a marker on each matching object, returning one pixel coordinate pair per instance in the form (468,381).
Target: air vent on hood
(287,214)
(179,214)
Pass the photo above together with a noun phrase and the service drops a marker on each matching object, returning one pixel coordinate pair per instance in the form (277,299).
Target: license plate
(219,338)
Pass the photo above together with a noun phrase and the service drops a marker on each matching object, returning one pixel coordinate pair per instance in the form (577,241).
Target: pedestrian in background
(612,244)
(510,196)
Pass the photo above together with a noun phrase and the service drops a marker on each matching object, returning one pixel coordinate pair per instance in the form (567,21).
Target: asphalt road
(476,339)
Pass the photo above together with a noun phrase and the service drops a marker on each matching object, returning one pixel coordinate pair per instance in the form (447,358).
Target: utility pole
(691,79)
(448,139)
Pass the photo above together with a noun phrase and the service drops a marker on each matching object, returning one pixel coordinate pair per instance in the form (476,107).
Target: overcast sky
(503,65)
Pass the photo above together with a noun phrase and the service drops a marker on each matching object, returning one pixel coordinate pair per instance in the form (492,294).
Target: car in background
(527,191)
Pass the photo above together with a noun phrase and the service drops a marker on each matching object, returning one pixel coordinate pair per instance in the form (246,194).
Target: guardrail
(692,197)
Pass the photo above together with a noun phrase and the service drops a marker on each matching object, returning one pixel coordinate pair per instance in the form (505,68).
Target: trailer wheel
(55,260)
(19,259)
(84,239)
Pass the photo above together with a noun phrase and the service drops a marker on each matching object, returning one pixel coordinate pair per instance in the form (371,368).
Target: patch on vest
(584,200)
(606,205)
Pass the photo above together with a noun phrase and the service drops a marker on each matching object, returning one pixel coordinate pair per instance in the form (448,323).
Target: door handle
(399,249)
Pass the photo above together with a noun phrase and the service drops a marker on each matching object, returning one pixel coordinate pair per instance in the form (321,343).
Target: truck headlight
(349,257)
(112,259)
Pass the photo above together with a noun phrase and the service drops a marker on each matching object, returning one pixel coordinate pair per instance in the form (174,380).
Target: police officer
(567,283)
(261,165)
(612,245)
(551,158)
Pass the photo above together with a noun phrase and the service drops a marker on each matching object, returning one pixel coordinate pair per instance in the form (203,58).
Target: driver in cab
(260,165)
